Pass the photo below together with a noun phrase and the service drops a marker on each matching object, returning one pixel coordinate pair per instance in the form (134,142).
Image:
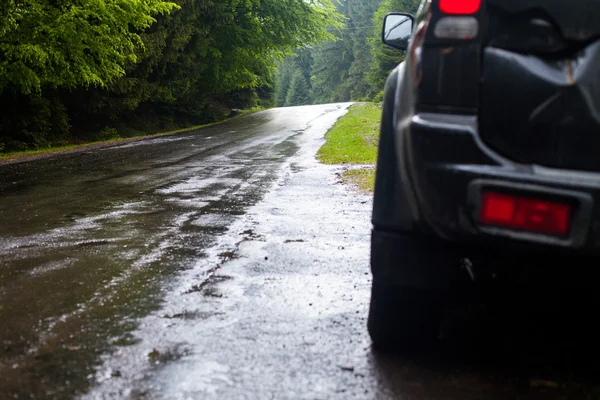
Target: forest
(351,67)
(75,71)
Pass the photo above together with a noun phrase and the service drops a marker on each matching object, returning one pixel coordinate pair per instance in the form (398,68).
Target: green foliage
(354,140)
(299,92)
(333,61)
(363,178)
(341,68)
(46,121)
(77,66)
(384,58)
(300,63)
(284,81)
(108,133)
(330,73)
(355,65)
(354,137)
(362,15)
(66,44)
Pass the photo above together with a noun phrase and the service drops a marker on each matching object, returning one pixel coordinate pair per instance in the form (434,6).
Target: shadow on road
(526,345)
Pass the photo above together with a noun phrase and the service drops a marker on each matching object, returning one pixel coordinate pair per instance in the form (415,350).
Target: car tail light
(526,214)
(460,6)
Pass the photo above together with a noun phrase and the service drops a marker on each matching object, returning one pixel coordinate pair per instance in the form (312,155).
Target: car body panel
(576,19)
(543,110)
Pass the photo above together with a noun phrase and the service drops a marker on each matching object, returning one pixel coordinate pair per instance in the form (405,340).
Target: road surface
(223,263)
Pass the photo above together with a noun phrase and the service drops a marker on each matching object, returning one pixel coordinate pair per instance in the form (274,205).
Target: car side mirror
(397,30)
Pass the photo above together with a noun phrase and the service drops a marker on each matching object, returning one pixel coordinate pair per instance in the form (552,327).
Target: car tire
(390,204)
(416,278)
(404,318)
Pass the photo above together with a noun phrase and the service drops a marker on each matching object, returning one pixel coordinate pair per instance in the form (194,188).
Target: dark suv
(489,147)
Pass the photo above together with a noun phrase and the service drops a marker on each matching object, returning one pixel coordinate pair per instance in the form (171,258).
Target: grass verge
(353,141)
(32,154)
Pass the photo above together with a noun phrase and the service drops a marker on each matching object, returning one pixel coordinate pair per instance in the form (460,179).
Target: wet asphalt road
(224,263)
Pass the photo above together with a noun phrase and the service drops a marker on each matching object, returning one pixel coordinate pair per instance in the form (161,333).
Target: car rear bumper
(449,168)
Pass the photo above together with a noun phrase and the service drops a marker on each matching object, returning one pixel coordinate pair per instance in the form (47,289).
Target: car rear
(502,143)
(487,171)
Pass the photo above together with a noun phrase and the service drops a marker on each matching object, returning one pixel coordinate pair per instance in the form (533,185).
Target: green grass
(58,149)
(363,178)
(18,154)
(353,140)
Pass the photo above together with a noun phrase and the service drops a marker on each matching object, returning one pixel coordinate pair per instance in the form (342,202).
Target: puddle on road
(189,202)
(51,267)
(201,184)
(212,220)
(205,377)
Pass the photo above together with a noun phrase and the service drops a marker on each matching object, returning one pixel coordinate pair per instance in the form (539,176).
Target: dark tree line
(79,70)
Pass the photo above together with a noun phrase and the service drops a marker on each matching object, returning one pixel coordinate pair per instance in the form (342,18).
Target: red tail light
(526,214)
(460,6)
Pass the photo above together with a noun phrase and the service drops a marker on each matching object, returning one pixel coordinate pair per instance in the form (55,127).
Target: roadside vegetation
(353,141)
(352,67)
(75,72)
(10,156)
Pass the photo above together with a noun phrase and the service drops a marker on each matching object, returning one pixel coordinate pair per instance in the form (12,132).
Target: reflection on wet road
(224,263)
(89,241)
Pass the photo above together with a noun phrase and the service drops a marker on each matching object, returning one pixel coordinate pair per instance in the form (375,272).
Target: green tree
(332,61)
(341,67)
(302,60)
(299,92)
(66,44)
(361,15)
(384,58)
(69,68)
(284,81)
(330,72)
